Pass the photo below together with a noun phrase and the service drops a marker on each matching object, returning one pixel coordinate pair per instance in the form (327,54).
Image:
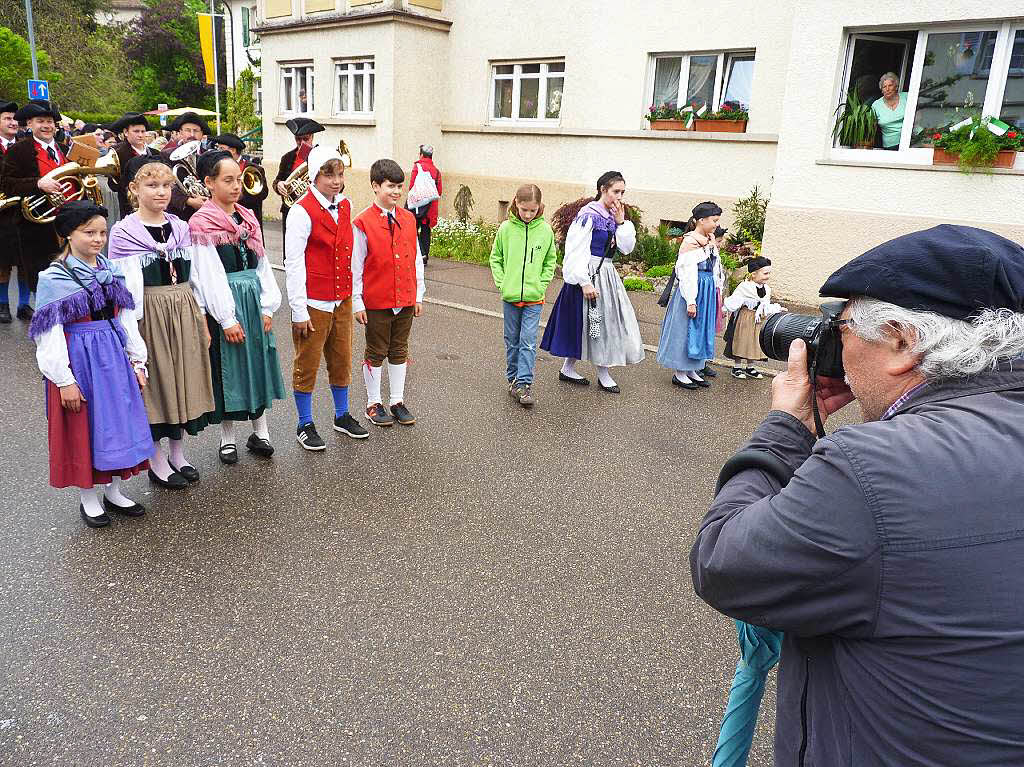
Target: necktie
(332,207)
(391,224)
(53,155)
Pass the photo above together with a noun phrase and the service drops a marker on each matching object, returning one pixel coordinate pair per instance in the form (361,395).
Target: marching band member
(303,129)
(133,127)
(10,246)
(187,127)
(25,164)
(229,142)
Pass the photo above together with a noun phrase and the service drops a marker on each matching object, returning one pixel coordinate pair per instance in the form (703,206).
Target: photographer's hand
(791,391)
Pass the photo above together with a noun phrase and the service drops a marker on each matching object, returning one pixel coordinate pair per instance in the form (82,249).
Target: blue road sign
(38,89)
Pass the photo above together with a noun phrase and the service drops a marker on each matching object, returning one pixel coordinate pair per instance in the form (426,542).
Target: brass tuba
(297,182)
(183,161)
(76,183)
(6,202)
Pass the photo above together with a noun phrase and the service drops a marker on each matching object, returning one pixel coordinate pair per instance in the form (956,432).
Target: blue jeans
(521,323)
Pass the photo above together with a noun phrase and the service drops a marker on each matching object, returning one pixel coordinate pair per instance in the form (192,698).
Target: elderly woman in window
(889,110)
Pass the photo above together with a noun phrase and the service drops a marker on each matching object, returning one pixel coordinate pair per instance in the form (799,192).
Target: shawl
(598,216)
(60,299)
(131,238)
(746,293)
(212,226)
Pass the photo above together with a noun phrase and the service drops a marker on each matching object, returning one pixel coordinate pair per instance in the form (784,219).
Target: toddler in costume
(749,304)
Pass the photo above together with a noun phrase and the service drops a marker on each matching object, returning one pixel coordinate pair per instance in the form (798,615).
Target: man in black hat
(231,143)
(10,246)
(187,127)
(303,129)
(25,167)
(889,552)
(133,128)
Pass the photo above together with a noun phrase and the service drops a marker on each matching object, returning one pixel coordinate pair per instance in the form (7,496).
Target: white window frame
(542,92)
(999,70)
(368,74)
(288,72)
(723,71)
(257,95)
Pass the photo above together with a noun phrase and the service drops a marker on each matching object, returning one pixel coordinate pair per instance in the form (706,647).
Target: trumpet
(6,202)
(76,184)
(297,182)
(253,181)
(184,168)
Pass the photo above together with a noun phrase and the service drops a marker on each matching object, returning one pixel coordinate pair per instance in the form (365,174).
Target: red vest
(44,161)
(389,273)
(328,251)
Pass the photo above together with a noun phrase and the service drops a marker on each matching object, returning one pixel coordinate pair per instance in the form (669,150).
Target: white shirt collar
(323,200)
(8,141)
(52,145)
(383,213)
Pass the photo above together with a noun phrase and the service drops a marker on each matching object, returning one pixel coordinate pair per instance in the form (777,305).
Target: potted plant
(856,123)
(977,143)
(665,117)
(731,118)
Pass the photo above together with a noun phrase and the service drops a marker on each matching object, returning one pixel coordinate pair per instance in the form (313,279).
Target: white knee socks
(371,377)
(683,376)
(569,368)
(115,496)
(91,501)
(396,382)
(177,452)
(604,376)
(227,433)
(158,463)
(260,428)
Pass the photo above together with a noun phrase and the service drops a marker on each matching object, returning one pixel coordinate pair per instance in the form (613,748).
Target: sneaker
(377,415)
(350,426)
(524,394)
(754,373)
(739,373)
(402,414)
(5,314)
(309,439)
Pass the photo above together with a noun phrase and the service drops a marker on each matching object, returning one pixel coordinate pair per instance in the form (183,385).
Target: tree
(16,55)
(241,108)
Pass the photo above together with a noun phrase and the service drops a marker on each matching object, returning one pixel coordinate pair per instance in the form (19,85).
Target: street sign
(163,118)
(38,89)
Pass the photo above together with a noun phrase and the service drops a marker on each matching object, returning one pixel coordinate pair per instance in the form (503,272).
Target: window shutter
(245,26)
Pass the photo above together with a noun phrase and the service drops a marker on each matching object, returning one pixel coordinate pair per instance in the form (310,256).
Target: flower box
(668,125)
(1005,159)
(720,126)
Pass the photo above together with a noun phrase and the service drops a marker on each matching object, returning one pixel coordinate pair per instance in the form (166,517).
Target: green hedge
(638,284)
(91,117)
(662,270)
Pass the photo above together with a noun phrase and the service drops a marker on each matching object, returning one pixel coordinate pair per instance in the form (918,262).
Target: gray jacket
(894,562)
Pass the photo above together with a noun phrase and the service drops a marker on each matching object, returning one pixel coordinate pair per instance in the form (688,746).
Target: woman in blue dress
(688,330)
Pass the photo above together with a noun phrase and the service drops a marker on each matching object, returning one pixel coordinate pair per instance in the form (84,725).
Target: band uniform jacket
(283,171)
(10,244)
(39,242)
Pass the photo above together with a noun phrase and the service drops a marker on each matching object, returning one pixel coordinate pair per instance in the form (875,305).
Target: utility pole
(31,39)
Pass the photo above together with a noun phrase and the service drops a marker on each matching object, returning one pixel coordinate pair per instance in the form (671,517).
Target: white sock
(177,452)
(260,428)
(227,433)
(569,368)
(682,377)
(604,376)
(371,377)
(694,376)
(396,382)
(91,502)
(114,494)
(158,462)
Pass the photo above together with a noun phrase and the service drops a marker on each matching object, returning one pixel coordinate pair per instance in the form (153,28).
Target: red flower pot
(721,126)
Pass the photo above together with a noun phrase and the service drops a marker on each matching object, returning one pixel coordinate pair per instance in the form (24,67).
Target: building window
(703,79)
(946,73)
(353,87)
(527,91)
(297,89)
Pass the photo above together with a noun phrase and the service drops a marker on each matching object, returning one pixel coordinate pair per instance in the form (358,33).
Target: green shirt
(890,120)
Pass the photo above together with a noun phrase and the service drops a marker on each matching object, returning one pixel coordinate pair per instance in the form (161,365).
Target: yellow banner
(206,45)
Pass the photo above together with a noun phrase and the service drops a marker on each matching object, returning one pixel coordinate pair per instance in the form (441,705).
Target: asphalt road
(488,587)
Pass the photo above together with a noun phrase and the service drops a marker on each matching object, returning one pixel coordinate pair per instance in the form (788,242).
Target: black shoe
(610,389)
(578,381)
(5,314)
(228,454)
(101,521)
(754,373)
(703,384)
(402,414)
(260,446)
(685,384)
(135,510)
(346,424)
(739,373)
(378,416)
(307,436)
(25,312)
(174,482)
(709,372)
(188,472)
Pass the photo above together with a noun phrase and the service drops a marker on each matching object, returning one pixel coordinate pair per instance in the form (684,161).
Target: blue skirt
(563,336)
(687,343)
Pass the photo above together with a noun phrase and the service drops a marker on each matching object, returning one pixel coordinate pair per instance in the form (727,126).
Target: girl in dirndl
(592,318)
(93,360)
(240,295)
(688,331)
(155,251)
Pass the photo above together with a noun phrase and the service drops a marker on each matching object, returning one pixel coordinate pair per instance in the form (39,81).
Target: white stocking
(91,502)
(114,494)
(569,368)
(604,377)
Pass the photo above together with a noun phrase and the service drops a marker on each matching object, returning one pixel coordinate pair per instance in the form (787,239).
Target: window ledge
(530,130)
(369,122)
(916,166)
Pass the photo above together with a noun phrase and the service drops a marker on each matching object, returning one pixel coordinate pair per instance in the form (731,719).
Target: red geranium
(1011,134)
(937,136)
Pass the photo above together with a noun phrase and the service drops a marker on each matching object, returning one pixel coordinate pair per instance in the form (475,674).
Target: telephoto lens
(821,334)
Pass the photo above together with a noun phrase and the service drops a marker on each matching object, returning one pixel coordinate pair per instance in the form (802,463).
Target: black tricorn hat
(190,117)
(37,108)
(8,106)
(303,126)
(228,139)
(129,118)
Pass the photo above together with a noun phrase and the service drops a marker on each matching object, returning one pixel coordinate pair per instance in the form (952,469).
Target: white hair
(888,76)
(949,348)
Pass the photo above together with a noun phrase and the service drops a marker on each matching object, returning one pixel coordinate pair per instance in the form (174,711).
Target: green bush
(470,242)
(100,118)
(637,283)
(655,249)
(662,270)
(748,218)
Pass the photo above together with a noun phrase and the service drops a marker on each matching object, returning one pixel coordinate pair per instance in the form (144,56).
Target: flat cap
(955,271)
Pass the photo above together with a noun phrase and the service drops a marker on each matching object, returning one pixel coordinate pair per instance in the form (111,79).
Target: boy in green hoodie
(523,263)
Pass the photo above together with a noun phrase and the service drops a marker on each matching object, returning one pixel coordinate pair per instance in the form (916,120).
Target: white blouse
(210,283)
(686,267)
(746,296)
(52,350)
(576,263)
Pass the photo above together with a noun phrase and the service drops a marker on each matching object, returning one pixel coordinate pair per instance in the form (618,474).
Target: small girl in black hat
(749,304)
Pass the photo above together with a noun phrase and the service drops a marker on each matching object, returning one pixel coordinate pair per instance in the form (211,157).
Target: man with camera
(889,552)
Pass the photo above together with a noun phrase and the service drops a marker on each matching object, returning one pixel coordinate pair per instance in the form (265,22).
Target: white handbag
(423,191)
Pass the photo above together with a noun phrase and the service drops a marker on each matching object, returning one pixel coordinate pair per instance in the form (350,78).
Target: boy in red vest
(317,263)
(387,289)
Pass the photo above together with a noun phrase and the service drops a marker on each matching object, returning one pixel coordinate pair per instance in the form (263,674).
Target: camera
(821,334)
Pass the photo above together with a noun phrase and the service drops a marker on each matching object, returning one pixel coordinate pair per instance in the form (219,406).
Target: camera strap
(818,424)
